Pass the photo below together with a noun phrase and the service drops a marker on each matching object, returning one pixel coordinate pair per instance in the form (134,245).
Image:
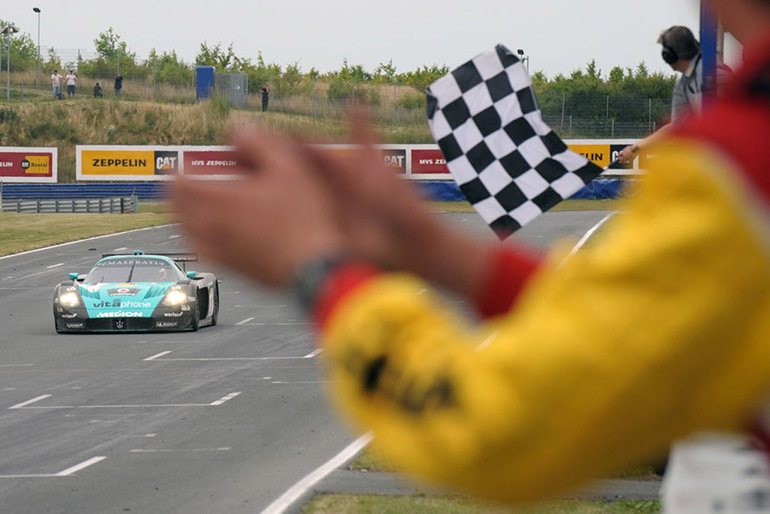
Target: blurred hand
(627,154)
(269,223)
(384,220)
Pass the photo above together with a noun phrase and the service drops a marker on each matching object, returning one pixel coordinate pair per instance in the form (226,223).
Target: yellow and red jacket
(584,366)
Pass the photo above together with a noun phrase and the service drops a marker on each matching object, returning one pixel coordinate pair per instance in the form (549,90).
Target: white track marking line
(224,399)
(174,237)
(229,359)
(313,353)
(279,382)
(74,469)
(587,236)
(296,491)
(85,240)
(120,249)
(142,450)
(161,354)
(281,324)
(55,265)
(244,321)
(29,402)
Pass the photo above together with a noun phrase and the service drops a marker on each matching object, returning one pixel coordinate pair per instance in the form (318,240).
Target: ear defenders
(669,54)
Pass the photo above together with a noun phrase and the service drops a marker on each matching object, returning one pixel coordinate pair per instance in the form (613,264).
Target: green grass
(375,504)
(22,232)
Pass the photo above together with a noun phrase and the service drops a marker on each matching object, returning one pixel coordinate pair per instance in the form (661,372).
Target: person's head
(745,19)
(55,72)
(679,47)
(72,71)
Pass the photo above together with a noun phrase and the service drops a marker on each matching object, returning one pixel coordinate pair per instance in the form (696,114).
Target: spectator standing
(98,91)
(265,97)
(56,83)
(118,85)
(71,81)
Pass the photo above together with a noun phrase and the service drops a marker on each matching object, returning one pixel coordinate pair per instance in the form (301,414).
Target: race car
(137,292)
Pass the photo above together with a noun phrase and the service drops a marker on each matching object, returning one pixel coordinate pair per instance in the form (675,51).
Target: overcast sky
(558,35)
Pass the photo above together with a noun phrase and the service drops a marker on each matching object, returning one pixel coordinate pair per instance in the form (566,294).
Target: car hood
(136,300)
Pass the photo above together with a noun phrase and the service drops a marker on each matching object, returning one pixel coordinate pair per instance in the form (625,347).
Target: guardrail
(122,205)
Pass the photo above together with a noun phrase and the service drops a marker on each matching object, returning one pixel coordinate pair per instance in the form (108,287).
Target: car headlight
(175,297)
(69,299)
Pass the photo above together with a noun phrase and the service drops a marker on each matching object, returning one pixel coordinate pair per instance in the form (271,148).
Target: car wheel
(196,319)
(215,314)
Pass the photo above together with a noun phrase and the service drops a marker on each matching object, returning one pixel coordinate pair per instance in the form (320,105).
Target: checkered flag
(509,164)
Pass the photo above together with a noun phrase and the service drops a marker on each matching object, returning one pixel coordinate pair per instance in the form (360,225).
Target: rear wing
(179,257)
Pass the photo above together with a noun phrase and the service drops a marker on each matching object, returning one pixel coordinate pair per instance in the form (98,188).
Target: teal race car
(137,292)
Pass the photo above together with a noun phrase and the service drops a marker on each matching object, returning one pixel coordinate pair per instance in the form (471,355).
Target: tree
(222,60)
(169,68)
(112,53)
(385,73)
(109,45)
(23,51)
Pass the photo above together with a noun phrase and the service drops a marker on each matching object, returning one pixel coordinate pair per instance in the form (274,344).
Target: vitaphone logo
(120,304)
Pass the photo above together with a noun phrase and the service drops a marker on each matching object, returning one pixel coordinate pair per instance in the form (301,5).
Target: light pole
(8,31)
(37,10)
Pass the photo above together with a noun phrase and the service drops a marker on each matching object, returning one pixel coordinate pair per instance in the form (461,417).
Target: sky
(559,36)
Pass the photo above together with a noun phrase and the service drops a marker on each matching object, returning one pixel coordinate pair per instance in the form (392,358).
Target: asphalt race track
(223,420)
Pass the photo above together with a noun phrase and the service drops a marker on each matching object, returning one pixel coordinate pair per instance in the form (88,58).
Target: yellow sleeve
(659,329)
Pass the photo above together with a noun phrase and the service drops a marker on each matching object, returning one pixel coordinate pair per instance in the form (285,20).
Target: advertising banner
(209,161)
(126,162)
(34,165)
(429,162)
(153,163)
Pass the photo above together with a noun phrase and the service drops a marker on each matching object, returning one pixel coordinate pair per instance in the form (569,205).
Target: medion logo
(119,314)
(120,163)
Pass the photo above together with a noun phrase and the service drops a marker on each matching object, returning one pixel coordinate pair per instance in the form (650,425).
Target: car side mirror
(191,274)
(73,276)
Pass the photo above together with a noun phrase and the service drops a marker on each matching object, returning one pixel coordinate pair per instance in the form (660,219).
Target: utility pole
(37,10)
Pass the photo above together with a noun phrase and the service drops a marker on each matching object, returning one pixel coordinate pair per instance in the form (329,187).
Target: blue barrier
(144,190)
(600,189)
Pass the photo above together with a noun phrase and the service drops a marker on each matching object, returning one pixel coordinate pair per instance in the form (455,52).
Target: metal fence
(122,205)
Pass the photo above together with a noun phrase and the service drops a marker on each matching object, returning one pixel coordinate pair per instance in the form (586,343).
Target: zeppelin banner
(32,165)
(153,163)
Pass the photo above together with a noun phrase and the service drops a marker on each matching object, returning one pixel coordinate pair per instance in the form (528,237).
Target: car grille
(120,324)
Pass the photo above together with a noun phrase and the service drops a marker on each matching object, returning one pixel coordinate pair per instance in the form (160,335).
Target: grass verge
(374,504)
(22,232)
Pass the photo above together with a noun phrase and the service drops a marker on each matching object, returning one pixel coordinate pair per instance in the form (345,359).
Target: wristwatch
(310,278)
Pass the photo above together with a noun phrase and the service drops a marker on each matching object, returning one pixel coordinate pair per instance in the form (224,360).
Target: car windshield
(132,270)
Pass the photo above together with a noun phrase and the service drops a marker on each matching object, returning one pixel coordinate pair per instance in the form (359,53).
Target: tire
(215,314)
(196,321)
